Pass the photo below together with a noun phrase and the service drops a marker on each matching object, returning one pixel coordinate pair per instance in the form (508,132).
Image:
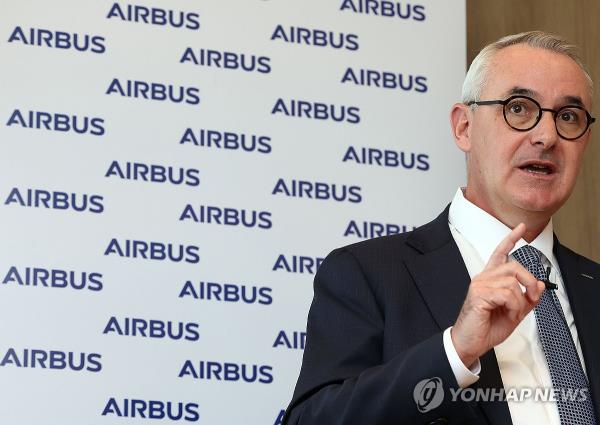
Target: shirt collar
(484,232)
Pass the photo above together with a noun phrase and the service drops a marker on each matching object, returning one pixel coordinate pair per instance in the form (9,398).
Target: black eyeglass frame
(555,112)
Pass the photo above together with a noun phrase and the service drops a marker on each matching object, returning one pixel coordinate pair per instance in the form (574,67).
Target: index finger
(500,254)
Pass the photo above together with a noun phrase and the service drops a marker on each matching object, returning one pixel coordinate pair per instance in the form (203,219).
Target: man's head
(519,170)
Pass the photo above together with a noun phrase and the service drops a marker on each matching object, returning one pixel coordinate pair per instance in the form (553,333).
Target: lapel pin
(587,275)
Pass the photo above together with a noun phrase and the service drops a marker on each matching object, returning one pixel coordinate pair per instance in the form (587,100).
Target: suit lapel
(443,280)
(582,281)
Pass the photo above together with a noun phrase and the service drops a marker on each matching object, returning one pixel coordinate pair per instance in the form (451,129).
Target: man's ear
(460,121)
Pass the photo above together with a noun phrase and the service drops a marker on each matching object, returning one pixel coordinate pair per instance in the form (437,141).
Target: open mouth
(539,168)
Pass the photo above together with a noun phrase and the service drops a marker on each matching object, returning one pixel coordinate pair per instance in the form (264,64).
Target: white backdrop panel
(254,136)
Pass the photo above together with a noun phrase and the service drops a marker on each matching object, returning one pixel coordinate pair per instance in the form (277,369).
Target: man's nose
(545,133)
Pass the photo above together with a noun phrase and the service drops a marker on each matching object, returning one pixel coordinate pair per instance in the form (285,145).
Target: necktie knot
(528,253)
(531,259)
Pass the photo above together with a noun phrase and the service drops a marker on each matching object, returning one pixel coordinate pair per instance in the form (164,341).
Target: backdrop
(172,174)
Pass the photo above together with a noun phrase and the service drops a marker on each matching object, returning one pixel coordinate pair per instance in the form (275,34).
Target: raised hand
(495,303)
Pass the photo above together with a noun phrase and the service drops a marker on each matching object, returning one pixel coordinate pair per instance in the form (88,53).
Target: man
(400,325)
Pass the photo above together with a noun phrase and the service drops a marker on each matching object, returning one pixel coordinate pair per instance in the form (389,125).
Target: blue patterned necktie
(563,361)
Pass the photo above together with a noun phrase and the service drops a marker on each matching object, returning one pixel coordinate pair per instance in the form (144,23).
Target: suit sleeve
(343,380)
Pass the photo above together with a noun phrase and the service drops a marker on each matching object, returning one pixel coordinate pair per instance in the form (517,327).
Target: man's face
(514,172)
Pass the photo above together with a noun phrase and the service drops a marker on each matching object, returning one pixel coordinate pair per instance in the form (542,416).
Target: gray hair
(476,77)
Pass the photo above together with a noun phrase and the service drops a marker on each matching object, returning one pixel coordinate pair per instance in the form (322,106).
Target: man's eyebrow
(521,91)
(573,100)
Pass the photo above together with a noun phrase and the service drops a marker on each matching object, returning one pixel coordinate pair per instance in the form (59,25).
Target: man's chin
(540,204)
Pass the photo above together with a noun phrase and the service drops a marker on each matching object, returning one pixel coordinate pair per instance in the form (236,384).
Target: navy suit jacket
(375,330)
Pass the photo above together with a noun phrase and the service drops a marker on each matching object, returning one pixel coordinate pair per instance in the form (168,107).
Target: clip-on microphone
(549,285)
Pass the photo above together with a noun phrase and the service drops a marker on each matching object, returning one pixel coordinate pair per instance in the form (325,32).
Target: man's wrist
(467,359)
(465,376)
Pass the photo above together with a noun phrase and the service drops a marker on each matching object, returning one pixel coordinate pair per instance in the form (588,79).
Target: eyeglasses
(522,113)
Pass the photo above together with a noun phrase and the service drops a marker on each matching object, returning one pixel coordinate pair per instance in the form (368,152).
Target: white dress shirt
(520,357)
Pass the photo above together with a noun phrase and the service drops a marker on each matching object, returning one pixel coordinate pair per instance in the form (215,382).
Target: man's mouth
(539,167)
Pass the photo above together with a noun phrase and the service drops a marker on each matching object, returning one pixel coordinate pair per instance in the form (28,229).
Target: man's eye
(569,116)
(517,108)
